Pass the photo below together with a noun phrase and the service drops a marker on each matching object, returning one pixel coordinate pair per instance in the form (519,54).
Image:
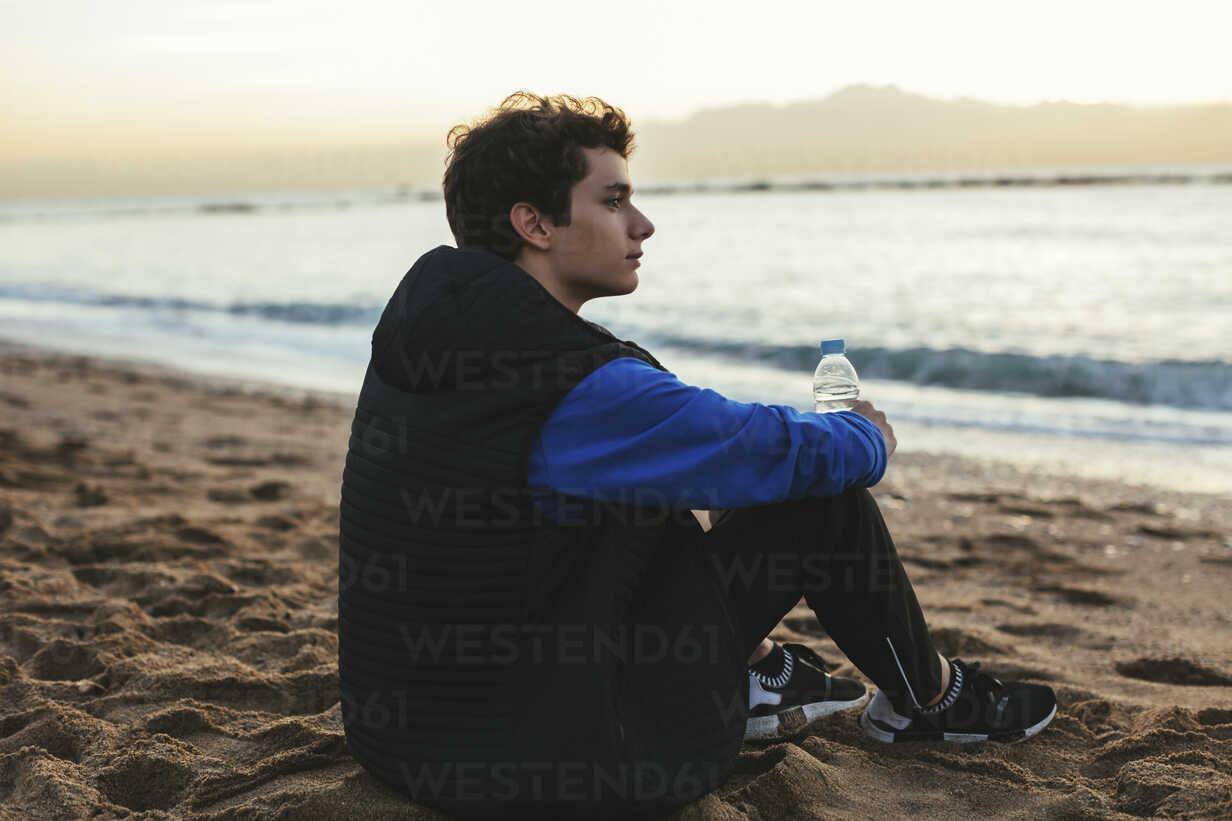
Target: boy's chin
(618,287)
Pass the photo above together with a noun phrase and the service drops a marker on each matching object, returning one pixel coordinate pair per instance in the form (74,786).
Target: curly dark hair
(527,149)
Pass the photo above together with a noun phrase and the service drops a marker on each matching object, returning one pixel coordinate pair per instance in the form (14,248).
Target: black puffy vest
(489,657)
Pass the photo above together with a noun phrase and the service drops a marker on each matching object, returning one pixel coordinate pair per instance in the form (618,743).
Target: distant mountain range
(859,129)
(864,128)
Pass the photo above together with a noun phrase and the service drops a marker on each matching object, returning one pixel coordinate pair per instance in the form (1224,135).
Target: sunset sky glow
(140,75)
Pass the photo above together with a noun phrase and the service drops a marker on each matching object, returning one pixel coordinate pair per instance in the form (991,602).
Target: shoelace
(801,653)
(986,689)
(806,653)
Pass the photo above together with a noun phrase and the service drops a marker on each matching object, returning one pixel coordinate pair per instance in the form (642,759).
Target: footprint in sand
(1174,533)
(297,649)
(199,535)
(188,630)
(270,491)
(1022,509)
(51,727)
(1075,595)
(1020,608)
(227,496)
(89,495)
(1047,630)
(1224,561)
(215,442)
(1211,716)
(282,460)
(986,498)
(280,524)
(123,582)
(1149,508)
(64,660)
(1012,540)
(951,641)
(1174,670)
(151,776)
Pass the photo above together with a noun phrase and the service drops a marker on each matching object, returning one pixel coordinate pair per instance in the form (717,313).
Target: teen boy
(531,620)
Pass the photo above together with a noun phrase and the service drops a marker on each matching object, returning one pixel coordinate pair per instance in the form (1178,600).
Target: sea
(1073,323)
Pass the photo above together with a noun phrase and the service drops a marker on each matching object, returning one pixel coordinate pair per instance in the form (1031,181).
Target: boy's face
(592,256)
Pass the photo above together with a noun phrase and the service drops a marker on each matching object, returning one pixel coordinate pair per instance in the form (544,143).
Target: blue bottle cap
(833,346)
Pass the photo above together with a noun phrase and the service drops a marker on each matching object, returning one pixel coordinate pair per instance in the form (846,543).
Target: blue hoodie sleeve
(629,432)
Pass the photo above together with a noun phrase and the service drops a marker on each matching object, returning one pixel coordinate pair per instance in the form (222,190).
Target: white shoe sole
(795,719)
(961,738)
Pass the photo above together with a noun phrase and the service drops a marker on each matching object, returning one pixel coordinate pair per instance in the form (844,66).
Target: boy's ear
(530,225)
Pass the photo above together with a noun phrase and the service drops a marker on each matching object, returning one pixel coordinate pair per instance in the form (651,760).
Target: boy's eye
(616,200)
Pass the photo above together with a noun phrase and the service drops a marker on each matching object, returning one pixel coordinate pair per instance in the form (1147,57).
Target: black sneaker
(985,709)
(802,693)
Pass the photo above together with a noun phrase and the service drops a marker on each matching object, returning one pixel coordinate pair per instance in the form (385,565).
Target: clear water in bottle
(835,383)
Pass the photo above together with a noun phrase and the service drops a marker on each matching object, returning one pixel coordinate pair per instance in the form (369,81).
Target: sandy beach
(168,574)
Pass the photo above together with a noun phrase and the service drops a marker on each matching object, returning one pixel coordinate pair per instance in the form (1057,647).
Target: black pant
(838,554)
(704,603)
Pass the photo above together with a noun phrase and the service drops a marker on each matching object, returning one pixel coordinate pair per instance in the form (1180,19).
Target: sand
(168,650)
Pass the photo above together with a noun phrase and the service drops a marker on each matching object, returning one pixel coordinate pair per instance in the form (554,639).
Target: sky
(130,77)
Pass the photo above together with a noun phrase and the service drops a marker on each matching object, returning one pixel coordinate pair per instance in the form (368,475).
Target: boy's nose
(644,228)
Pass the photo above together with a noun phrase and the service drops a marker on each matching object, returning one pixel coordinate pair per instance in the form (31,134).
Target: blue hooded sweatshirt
(629,425)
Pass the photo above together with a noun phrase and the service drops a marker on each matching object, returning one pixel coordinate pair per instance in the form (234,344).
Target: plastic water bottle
(835,384)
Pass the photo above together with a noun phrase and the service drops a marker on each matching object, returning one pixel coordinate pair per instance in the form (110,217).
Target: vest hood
(460,317)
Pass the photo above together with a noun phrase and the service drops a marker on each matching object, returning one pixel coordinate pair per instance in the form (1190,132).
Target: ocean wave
(317,313)
(1199,385)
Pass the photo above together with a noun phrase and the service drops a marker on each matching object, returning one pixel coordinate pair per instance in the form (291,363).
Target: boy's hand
(878,418)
